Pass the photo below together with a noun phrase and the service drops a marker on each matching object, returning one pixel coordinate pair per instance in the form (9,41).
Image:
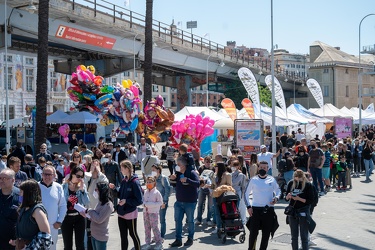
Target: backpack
(282,166)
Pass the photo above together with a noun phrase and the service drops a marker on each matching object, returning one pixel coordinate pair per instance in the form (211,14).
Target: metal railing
(169,33)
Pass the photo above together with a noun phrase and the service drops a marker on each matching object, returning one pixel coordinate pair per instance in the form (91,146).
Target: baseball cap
(262,146)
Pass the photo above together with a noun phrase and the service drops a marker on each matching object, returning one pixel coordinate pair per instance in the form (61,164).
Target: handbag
(290,210)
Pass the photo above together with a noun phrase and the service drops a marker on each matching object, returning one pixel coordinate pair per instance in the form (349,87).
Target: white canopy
(180,115)
(57,117)
(328,111)
(299,112)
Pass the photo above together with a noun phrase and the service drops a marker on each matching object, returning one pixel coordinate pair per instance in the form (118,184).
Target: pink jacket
(152,200)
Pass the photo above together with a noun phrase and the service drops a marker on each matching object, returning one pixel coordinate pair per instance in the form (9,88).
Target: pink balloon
(211,123)
(208,131)
(206,120)
(64,130)
(199,128)
(66,140)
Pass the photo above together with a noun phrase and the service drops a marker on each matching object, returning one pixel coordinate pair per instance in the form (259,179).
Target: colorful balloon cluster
(120,104)
(155,119)
(64,132)
(125,107)
(191,131)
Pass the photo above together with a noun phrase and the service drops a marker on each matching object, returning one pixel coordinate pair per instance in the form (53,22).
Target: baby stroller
(230,217)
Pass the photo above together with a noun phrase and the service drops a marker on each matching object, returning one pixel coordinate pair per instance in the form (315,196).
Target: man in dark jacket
(8,208)
(186,200)
(29,167)
(18,152)
(112,171)
(43,153)
(119,155)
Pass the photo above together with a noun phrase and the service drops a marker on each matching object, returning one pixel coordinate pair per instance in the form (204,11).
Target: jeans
(217,213)
(163,225)
(77,224)
(369,166)
(98,245)
(357,164)
(300,223)
(201,198)
(181,208)
(317,176)
(288,175)
(341,180)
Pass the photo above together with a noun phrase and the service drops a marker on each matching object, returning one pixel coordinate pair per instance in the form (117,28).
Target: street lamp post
(360,72)
(135,37)
(273,90)
(7,131)
(207,79)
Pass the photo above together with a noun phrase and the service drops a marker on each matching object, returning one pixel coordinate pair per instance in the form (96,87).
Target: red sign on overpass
(85,37)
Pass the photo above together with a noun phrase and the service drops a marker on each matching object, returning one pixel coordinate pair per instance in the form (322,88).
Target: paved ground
(344,221)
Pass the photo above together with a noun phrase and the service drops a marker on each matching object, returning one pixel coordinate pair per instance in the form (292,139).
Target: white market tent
(57,117)
(367,117)
(298,111)
(180,115)
(328,111)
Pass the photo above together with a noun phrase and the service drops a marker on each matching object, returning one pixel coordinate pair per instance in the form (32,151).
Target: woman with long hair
(75,192)
(130,195)
(253,169)
(32,225)
(222,177)
(93,176)
(87,160)
(99,217)
(367,159)
(300,195)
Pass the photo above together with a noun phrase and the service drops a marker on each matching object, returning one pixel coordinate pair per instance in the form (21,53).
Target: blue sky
(297,23)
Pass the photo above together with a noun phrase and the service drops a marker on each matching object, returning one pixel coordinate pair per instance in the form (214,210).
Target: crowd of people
(78,191)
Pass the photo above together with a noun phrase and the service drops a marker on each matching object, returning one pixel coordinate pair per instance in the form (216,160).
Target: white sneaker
(159,246)
(312,243)
(322,194)
(215,231)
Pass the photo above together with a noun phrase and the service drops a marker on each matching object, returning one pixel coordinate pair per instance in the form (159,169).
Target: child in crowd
(341,167)
(152,200)
(333,170)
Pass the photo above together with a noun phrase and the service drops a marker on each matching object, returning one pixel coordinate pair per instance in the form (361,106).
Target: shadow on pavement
(340,244)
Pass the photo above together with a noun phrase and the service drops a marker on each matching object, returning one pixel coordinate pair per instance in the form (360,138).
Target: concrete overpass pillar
(183,91)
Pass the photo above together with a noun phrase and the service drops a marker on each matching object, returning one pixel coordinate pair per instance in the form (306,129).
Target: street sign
(191,24)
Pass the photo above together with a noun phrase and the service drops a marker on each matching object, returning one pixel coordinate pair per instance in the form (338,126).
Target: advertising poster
(21,135)
(248,136)
(343,127)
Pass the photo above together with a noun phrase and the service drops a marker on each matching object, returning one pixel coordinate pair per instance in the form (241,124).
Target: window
(29,61)
(53,81)
(347,91)
(126,73)
(10,77)
(155,88)
(214,97)
(173,104)
(346,71)
(11,111)
(29,79)
(164,89)
(201,87)
(114,80)
(52,74)
(325,91)
(172,96)
(9,58)
(325,71)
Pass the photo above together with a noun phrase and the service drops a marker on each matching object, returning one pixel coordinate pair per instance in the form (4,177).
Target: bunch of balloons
(191,131)
(64,132)
(87,89)
(155,119)
(125,107)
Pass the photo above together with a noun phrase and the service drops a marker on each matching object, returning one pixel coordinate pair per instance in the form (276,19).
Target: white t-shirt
(263,190)
(299,136)
(267,156)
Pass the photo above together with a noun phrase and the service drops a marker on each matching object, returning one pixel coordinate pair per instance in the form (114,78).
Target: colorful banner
(248,106)
(343,127)
(248,136)
(316,91)
(230,107)
(279,94)
(249,82)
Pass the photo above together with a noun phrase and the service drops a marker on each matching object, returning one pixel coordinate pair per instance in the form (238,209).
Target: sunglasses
(79,176)
(47,174)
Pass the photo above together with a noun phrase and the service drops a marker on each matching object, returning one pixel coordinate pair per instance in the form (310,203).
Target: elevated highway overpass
(112,39)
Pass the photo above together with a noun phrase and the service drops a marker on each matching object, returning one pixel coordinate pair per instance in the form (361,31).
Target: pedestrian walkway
(344,221)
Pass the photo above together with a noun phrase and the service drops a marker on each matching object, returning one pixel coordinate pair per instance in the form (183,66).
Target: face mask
(262,172)
(154,173)
(20,199)
(95,195)
(233,169)
(177,168)
(313,146)
(150,185)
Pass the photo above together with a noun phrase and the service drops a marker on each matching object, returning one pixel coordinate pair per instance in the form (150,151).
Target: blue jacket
(189,192)
(164,187)
(131,191)
(83,197)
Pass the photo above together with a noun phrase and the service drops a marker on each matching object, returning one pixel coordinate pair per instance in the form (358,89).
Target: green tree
(42,74)
(265,95)
(236,92)
(147,86)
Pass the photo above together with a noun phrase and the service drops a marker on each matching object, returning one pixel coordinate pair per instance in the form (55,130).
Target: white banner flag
(279,94)
(370,108)
(249,82)
(316,91)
